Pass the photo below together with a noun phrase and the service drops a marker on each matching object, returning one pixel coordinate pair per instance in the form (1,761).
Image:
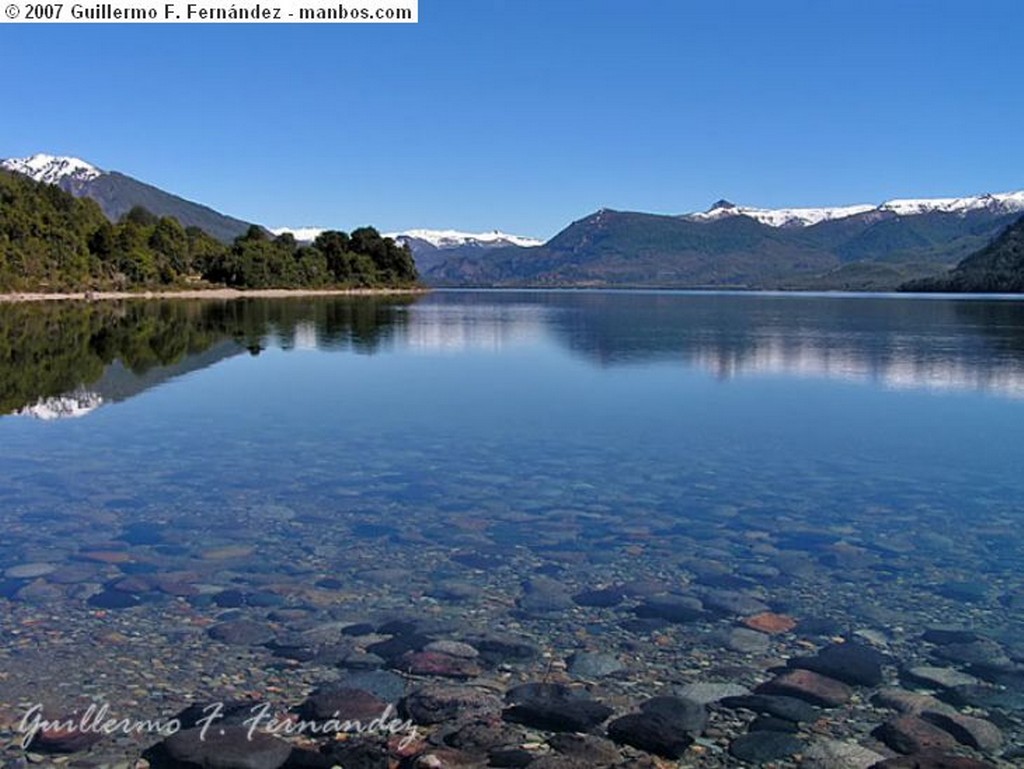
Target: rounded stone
(227,747)
(30,570)
(452,649)
(759,747)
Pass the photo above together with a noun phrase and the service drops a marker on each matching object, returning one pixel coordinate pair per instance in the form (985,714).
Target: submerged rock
(706,692)
(241,632)
(591,665)
(687,715)
(544,596)
(483,735)
(808,686)
(789,708)
(942,678)
(57,740)
(910,702)
(746,641)
(942,636)
(229,747)
(114,599)
(231,712)
(367,753)
(385,685)
(849,662)
(30,570)
(932,759)
(910,734)
(594,751)
(554,707)
(653,732)
(672,608)
(728,602)
(603,598)
(497,649)
(773,724)
(426,663)
(436,704)
(967,730)
(760,747)
(452,649)
(834,754)
(771,623)
(341,703)
(985,697)
(982,653)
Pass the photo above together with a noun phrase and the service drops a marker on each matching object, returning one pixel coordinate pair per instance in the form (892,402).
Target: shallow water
(852,461)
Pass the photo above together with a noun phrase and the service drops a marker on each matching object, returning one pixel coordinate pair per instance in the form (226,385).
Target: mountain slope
(997,268)
(852,247)
(117,193)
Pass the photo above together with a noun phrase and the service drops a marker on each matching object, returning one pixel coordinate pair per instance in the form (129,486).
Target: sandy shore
(208,293)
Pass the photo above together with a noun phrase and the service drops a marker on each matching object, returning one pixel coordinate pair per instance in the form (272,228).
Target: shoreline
(206,293)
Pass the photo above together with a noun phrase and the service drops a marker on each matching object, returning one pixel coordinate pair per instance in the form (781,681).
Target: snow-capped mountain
(117,193)
(443,239)
(51,168)
(1004,203)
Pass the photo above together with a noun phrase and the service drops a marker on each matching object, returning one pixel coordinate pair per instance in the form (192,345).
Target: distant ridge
(856,247)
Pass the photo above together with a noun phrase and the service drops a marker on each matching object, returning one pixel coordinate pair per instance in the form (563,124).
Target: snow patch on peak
(1008,202)
(780,217)
(70,406)
(52,169)
(301,234)
(456,238)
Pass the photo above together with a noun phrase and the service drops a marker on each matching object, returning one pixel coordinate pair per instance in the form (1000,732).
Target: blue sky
(524,115)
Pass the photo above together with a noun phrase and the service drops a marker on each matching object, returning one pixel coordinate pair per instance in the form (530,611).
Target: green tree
(140,216)
(170,243)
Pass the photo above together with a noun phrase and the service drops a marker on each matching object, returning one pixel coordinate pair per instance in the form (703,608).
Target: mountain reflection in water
(66,359)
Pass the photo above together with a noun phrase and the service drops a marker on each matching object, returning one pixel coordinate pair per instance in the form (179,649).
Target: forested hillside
(997,268)
(52,241)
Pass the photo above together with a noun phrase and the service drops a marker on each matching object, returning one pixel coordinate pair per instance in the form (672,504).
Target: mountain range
(852,247)
(863,247)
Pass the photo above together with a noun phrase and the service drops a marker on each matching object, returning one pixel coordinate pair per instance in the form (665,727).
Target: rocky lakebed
(719,648)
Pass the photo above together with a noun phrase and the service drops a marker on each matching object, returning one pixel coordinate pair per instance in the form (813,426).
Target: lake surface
(478,461)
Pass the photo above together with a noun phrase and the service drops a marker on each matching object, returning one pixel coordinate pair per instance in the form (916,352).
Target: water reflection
(66,359)
(61,359)
(463,322)
(896,342)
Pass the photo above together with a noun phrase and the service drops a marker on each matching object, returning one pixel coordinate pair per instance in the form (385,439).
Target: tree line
(53,241)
